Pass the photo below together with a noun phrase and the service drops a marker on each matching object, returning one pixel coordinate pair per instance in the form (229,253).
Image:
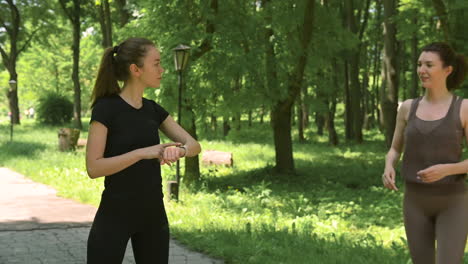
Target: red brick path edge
(26,205)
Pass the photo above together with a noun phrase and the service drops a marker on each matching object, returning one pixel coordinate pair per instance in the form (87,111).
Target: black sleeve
(101,112)
(161,113)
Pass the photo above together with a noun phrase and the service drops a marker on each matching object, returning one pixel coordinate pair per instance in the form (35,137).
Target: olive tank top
(429,143)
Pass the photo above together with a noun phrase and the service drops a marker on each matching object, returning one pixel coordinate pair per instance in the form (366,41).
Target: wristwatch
(185,148)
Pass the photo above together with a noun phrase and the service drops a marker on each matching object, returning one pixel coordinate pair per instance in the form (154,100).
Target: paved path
(36,226)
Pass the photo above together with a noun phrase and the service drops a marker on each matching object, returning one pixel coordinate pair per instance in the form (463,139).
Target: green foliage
(54,109)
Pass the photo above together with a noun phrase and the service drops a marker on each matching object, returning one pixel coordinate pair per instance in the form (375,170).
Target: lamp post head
(181,54)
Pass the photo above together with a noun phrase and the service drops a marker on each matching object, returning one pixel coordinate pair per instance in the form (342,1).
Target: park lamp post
(12,88)
(181,54)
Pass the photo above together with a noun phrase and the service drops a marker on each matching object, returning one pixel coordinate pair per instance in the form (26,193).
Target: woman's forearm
(108,166)
(458,168)
(392,158)
(192,148)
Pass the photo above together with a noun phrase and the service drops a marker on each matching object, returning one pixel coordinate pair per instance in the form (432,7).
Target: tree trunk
(365,90)
(214,123)
(403,63)
(330,121)
(305,107)
(262,114)
(192,168)
(354,84)
(12,95)
(281,111)
(12,29)
(355,98)
(281,122)
(107,16)
(105,22)
(300,117)
(331,103)
(76,62)
(348,117)
(377,69)
(390,71)
(226,126)
(375,86)
(192,165)
(124,14)
(57,76)
(73,15)
(414,90)
(319,122)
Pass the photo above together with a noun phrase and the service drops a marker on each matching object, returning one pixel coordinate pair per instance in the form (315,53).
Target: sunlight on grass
(333,210)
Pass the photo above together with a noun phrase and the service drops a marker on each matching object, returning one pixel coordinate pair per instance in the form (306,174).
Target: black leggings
(436,214)
(117,220)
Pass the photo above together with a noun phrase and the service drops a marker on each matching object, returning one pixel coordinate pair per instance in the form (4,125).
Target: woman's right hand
(388,179)
(156,151)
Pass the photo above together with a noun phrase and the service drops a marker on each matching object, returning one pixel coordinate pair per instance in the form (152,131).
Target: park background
(304,93)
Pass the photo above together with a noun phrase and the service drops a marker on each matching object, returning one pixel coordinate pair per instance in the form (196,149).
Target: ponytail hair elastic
(115,49)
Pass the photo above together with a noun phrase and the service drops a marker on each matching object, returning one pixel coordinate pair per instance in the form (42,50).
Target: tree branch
(64,7)
(27,42)
(16,20)
(3,24)
(5,57)
(441,12)
(296,79)
(364,23)
(206,44)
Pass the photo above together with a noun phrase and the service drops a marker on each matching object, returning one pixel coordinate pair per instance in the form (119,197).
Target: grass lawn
(334,210)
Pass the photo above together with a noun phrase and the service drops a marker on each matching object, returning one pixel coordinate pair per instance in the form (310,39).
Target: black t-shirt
(128,129)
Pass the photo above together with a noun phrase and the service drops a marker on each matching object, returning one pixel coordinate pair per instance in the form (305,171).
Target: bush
(54,109)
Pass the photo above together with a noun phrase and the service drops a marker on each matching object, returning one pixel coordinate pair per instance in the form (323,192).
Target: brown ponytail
(115,65)
(458,75)
(450,58)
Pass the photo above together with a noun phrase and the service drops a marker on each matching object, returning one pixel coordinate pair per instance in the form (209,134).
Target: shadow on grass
(9,150)
(270,246)
(359,201)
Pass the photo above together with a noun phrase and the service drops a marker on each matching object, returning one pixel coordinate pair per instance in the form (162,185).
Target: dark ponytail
(458,75)
(450,58)
(115,65)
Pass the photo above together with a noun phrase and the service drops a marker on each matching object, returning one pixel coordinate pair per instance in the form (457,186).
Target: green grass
(333,210)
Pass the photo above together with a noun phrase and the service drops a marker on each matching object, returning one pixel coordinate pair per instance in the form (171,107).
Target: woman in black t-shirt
(123,145)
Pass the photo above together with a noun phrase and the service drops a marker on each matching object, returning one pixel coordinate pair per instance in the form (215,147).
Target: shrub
(54,109)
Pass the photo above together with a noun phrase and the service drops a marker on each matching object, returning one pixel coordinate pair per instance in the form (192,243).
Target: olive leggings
(431,214)
(118,220)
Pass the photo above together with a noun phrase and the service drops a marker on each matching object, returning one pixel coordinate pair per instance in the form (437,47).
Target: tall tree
(72,10)
(192,164)
(105,21)
(389,93)
(12,28)
(282,109)
(354,96)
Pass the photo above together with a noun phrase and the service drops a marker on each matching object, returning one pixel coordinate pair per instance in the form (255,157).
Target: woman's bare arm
(98,166)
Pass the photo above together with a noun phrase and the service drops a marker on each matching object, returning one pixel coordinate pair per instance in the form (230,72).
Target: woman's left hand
(434,173)
(172,154)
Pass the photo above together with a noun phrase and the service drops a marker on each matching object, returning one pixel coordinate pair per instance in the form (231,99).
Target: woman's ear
(134,70)
(449,70)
